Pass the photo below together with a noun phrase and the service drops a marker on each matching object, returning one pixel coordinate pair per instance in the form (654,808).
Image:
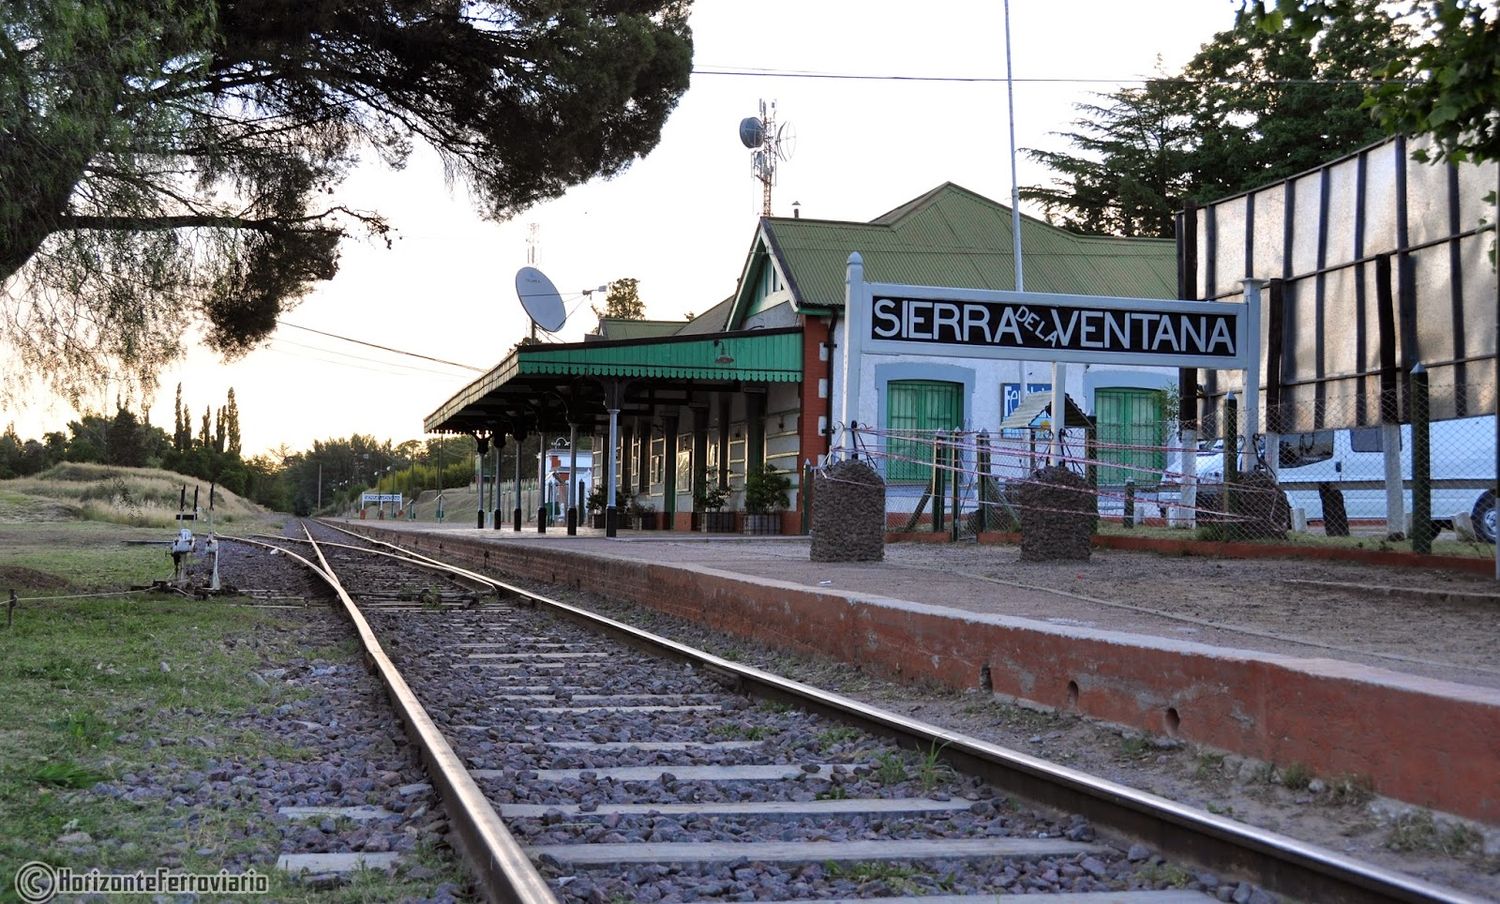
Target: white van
(1353,462)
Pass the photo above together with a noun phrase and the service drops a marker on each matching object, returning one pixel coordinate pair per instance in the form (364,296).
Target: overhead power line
(277,349)
(384,348)
(754,72)
(279,343)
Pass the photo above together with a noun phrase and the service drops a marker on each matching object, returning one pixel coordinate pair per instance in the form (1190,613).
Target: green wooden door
(1132,436)
(915,408)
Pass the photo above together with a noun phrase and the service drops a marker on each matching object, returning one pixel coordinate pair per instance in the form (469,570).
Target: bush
(710,498)
(766,491)
(598,499)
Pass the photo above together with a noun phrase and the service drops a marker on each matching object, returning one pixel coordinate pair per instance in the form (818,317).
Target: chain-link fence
(1391,484)
(1418,482)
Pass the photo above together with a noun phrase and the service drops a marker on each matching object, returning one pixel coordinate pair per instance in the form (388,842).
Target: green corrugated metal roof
(620,328)
(710,321)
(759,356)
(954,237)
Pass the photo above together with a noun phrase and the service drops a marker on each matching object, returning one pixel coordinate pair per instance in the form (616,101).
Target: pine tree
(198,142)
(1133,175)
(1251,107)
(203,434)
(623,301)
(219,431)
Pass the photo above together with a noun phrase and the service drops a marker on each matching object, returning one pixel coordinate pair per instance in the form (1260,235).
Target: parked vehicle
(1353,462)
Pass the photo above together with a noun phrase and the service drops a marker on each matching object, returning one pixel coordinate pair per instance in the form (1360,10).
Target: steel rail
(1285,865)
(503,872)
(407,556)
(316,569)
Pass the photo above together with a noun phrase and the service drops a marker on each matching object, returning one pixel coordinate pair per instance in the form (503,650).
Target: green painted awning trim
(757,356)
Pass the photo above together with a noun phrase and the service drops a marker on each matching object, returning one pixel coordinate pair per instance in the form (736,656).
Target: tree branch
(269,225)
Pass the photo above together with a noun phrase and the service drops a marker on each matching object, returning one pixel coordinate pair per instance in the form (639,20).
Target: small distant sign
(379,498)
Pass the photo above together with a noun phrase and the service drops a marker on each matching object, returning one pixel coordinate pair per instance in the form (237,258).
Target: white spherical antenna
(786,141)
(540,299)
(752,131)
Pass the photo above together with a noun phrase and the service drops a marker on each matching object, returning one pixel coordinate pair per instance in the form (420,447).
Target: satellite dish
(752,131)
(540,299)
(786,141)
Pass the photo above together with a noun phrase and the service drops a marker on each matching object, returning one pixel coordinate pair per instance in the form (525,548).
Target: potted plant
(765,497)
(709,501)
(642,513)
(625,511)
(598,498)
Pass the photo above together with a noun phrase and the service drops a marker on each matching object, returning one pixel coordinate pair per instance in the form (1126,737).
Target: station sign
(1049,327)
(903,321)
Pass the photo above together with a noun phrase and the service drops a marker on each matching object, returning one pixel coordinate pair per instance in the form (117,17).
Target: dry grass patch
(140,497)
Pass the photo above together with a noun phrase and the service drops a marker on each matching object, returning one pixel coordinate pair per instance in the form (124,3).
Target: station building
(751,382)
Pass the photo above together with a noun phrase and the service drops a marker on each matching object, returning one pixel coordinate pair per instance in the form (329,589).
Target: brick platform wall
(1424,741)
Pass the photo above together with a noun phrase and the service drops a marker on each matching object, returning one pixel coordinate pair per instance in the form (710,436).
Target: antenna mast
(533,239)
(769,144)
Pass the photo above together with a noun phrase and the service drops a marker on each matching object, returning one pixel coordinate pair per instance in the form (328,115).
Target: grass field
(101,687)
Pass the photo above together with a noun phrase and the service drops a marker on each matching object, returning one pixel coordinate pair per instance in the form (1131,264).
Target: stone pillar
(1057,514)
(848,514)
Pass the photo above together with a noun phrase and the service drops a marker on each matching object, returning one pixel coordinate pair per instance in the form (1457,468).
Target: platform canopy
(548,387)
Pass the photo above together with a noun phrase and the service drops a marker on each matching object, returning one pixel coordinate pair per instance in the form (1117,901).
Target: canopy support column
(572,488)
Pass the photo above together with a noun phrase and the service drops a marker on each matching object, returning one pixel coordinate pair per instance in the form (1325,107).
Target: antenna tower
(770,143)
(533,242)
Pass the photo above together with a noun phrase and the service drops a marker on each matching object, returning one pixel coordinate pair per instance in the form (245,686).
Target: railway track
(581,759)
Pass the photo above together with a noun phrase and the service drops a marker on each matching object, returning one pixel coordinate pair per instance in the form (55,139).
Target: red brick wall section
(1424,741)
(813,444)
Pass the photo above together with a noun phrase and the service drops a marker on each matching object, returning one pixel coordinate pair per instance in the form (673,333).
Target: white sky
(681,220)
